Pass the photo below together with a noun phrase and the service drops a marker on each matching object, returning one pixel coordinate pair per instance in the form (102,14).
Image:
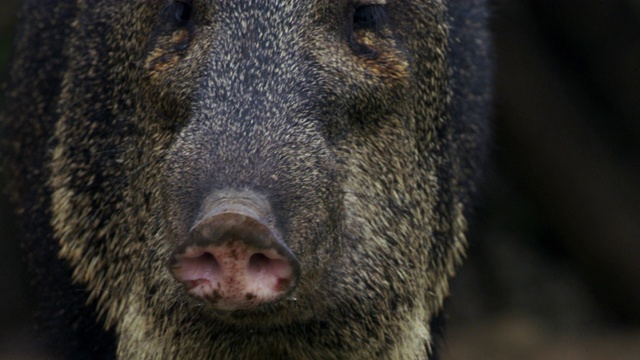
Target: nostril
(270,270)
(258,263)
(198,267)
(208,264)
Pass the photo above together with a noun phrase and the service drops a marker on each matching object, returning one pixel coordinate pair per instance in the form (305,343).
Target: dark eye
(370,17)
(182,11)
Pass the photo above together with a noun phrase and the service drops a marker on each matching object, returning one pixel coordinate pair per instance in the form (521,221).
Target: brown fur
(121,123)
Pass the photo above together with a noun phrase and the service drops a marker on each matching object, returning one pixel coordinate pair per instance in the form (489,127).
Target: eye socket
(182,11)
(370,17)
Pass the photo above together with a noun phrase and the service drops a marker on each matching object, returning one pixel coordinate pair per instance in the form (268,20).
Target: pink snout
(234,261)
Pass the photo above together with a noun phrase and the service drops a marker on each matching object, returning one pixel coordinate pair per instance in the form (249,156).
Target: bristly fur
(365,128)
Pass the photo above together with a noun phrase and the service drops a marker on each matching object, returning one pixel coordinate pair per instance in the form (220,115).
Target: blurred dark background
(553,270)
